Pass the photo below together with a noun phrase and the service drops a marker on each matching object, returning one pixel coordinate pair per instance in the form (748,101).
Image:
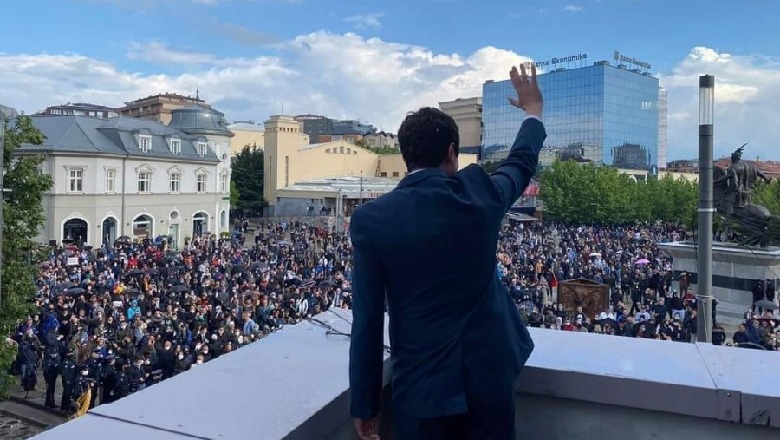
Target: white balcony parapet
(294,385)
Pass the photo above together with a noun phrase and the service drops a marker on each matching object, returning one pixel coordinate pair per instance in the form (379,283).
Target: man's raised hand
(529,97)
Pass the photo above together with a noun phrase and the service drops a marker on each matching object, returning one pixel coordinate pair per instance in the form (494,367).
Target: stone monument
(738,265)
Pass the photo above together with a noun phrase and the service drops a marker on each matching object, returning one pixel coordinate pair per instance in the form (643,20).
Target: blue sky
(251,57)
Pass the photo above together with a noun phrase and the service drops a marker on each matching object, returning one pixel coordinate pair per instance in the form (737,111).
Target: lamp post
(2,198)
(706,210)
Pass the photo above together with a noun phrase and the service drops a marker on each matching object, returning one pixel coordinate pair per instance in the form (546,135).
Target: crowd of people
(120,318)
(646,298)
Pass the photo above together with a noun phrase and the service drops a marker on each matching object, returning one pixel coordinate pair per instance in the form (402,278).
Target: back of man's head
(425,137)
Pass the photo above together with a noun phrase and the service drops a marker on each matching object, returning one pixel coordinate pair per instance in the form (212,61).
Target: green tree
(768,195)
(378,150)
(586,193)
(247,177)
(233,194)
(23,216)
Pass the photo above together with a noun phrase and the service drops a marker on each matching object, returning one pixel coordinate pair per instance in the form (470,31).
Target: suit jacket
(428,250)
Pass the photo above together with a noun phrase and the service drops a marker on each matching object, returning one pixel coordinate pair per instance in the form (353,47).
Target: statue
(732,194)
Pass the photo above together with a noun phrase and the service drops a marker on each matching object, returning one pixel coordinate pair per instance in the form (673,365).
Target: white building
(127,176)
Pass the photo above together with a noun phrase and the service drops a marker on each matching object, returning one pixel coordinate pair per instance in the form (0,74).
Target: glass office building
(600,113)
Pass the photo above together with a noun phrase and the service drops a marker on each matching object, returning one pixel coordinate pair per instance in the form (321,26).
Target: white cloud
(345,76)
(573,8)
(747,89)
(161,53)
(370,20)
(348,76)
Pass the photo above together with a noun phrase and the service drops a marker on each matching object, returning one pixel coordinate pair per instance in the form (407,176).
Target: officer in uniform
(51,369)
(94,368)
(70,377)
(122,386)
(108,379)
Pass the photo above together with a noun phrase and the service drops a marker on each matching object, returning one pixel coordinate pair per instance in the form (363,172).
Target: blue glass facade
(598,113)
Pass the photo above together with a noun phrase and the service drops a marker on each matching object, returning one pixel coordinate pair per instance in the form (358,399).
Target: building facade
(136,178)
(81,109)
(662,127)
(467,113)
(382,140)
(159,107)
(323,129)
(246,133)
(600,113)
(294,170)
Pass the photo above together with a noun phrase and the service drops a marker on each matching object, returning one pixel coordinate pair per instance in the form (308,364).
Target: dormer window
(202,149)
(175,146)
(145,143)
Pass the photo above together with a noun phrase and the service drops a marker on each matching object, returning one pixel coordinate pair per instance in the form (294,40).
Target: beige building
(159,107)
(246,133)
(312,178)
(467,113)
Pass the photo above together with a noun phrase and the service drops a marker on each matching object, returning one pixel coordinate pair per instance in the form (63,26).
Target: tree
(23,216)
(233,194)
(247,177)
(768,195)
(585,193)
(377,150)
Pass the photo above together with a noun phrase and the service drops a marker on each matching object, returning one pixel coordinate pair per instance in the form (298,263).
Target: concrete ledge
(294,385)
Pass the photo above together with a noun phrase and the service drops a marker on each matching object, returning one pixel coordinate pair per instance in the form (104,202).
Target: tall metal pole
(2,197)
(706,210)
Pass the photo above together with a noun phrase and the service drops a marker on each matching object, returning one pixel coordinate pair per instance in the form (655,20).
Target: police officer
(122,386)
(94,368)
(51,369)
(108,379)
(69,379)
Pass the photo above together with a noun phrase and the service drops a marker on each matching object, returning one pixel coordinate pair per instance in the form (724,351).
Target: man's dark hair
(425,136)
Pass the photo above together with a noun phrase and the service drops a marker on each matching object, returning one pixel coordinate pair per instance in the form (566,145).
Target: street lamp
(706,210)
(2,198)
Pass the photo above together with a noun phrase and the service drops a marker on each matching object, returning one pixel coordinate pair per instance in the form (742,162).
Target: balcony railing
(294,385)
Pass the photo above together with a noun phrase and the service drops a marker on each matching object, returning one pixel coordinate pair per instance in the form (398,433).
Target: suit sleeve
(513,175)
(368,310)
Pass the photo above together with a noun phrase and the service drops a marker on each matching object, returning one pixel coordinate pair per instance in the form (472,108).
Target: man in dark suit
(428,249)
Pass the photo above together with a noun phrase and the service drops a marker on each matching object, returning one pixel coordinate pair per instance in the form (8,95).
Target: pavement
(37,397)
(12,428)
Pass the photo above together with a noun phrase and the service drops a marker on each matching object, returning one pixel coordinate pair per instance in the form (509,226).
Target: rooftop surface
(293,385)
(86,135)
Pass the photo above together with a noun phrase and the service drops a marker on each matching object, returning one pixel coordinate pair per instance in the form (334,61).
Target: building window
(76,181)
(383,174)
(174,182)
(396,174)
(223,183)
(110,181)
(202,148)
(175,146)
(201,183)
(145,143)
(144,182)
